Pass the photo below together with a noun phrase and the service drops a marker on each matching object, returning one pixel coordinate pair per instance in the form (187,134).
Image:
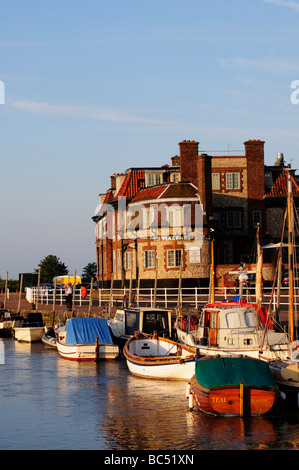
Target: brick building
(157,221)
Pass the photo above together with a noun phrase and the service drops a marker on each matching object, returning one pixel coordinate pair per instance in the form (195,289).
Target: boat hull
(233,386)
(162,359)
(29,334)
(87,352)
(286,375)
(228,401)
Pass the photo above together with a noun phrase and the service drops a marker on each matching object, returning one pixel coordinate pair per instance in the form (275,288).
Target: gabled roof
(167,191)
(280,187)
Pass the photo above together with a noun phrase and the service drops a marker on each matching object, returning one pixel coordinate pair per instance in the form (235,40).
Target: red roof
(150,193)
(280,187)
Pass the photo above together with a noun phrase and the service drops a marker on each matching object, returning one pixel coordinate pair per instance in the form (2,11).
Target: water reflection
(50,403)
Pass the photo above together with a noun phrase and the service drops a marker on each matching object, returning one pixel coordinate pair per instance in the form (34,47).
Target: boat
(232,328)
(49,338)
(286,371)
(154,357)
(31,329)
(86,339)
(232,386)
(6,324)
(145,320)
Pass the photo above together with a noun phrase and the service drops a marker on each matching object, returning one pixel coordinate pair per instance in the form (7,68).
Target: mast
(291,258)
(259,267)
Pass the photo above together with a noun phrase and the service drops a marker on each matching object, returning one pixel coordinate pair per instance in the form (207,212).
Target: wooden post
(156,281)
(90,297)
(38,284)
(5,296)
(97,349)
(130,291)
(111,294)
(74,289)
(20,293)
(241,399)
(54,295)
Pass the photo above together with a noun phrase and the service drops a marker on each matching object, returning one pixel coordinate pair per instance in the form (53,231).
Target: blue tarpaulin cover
(86,330)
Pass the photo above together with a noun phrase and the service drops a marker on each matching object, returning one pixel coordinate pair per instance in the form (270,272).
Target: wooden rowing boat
(230,386)
(159,358)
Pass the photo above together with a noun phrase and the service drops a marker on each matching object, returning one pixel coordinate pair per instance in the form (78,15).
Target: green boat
(231,386)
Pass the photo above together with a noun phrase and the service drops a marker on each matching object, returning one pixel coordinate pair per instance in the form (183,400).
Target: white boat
(159,358)
(49,338)
(286,372)
(226,329)
(32,328)
(86,339)
(145,320)
(6,324)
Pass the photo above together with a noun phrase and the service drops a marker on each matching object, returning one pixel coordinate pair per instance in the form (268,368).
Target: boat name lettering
(218,399)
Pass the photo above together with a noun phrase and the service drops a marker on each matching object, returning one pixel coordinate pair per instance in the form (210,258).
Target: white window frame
(149,259)
(154,179)
(173,259)
(232,180)
(128,260)
(215,180)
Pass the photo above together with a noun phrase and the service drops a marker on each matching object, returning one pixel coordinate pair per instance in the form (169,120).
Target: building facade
(157,223)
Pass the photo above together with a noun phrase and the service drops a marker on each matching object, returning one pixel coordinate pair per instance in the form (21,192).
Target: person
(69,296)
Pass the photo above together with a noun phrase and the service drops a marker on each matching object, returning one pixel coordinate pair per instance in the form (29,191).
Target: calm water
(50,403)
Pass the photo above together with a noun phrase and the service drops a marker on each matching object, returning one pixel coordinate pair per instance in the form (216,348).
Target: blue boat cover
(86,330)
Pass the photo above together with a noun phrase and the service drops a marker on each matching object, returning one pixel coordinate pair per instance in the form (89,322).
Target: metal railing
(161,297)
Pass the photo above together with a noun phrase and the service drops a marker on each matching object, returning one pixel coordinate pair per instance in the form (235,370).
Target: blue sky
(95,87)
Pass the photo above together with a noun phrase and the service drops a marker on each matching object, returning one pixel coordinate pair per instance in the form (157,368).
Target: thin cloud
(267,64)
(100,114)
(283,3)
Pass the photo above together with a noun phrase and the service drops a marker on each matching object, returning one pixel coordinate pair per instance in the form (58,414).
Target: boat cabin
(222,327)
(227,328)
(144,320)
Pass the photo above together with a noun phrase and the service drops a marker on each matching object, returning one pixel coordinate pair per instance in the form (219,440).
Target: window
(232,180)
(173,258)
(128,260)
(234,219)
(154,178)
(215,180)
(149,258)
(175,216)
(174,177)
(256,218)
(217,219)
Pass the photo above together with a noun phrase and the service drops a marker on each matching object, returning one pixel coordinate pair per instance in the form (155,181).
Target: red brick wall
(254,152)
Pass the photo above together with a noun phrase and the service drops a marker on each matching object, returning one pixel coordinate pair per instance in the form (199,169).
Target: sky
(94,87)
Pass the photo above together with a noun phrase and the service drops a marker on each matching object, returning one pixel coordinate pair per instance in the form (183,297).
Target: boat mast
(291,258)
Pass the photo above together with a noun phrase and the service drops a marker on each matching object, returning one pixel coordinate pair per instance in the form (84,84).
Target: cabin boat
(225,329)
(232,386)
(6,324)
(153,357)
(31,329)
(86,339)
(145,320)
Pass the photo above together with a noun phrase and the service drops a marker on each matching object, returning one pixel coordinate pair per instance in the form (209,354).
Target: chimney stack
(188,160)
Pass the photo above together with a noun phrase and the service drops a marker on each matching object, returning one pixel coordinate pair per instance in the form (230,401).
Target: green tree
(51,266)
(89,271)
